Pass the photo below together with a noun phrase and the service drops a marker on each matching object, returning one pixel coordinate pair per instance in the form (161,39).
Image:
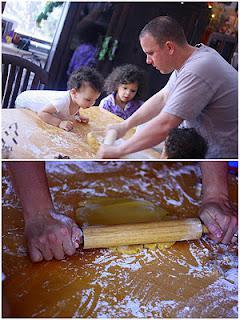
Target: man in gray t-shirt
(209,104)
(201,93)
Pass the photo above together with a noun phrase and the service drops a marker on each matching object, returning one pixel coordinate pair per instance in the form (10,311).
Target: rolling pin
(142,233)
(110,137)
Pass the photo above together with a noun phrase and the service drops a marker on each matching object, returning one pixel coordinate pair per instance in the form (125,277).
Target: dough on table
(110,211)
(93,142)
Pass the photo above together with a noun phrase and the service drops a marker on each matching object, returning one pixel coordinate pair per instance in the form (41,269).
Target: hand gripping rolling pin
(110,137)
(142,233)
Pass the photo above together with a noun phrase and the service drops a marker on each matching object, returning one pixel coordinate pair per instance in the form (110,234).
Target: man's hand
(66,125)
(52,236)
(109,152)
(221,220)
(121,128)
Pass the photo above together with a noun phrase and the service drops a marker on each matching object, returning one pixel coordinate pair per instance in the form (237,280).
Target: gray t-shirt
(204,92)
(37,99)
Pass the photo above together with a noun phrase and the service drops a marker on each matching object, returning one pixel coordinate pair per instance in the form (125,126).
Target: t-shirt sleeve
(60,103)
(188,96)
(106,103)
(22,99)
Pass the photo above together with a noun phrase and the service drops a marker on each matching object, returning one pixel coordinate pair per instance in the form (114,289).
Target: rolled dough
(93,142)
(110,211)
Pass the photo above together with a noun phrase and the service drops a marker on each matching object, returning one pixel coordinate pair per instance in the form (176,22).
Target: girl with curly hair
(125,87)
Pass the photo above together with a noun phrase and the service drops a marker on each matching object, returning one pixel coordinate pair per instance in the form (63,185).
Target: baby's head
(85,85)
(185,143)
(128,81)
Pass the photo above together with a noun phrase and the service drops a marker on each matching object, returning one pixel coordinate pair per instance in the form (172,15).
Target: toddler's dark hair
(125,74)
(86,75)
(185,143)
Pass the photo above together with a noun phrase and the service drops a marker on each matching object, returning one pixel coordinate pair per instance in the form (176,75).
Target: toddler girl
(61,108)
(125,89)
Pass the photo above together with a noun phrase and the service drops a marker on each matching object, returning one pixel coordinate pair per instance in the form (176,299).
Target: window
(25,14)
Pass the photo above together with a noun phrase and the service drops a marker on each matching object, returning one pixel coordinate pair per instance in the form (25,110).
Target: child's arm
(46,114)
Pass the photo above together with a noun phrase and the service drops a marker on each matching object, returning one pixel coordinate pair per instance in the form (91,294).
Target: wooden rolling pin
(110,137)
(142,233)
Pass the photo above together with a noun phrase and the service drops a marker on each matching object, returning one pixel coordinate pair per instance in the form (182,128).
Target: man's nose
(148,60)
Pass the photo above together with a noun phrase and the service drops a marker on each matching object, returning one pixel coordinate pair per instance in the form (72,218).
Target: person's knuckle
(52,238)
(42,240)
(48,257)
(70,251)
(59,257)
(35,258)
(64,230)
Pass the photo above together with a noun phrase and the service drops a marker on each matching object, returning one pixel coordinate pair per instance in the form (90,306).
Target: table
(39,140)
(192,279)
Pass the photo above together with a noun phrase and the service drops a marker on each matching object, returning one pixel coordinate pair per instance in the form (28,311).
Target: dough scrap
(93,142)
(133,249)
(110,211)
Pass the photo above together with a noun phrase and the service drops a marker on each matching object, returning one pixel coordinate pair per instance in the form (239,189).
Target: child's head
(185,143)
(85,85)
(128,81)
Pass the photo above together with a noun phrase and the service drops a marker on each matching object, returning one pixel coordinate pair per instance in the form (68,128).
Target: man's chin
(164,71)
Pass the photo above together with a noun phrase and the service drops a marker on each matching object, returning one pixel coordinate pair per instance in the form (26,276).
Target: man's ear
(170,47)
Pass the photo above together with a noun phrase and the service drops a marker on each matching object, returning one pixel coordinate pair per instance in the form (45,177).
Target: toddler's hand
(66,125)
(82,119)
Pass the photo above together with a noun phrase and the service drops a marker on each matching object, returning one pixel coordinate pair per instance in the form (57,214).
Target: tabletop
(31,138)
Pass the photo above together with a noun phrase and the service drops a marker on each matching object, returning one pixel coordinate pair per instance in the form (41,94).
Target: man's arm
(217,212)
(148,110)
(49,235)
(152,134)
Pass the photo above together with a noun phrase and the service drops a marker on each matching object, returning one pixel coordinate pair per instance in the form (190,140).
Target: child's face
(126,92)
(85,97)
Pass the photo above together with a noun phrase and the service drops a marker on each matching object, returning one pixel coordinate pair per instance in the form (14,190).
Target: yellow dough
(110,211)
(93,142)
(133,249)
(151,246)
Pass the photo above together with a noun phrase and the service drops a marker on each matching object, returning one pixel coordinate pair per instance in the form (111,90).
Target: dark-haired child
(184,143)
(61,108)
(125,87)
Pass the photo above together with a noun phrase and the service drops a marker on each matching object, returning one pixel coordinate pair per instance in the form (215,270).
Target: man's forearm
(214,176)
(150,109)
(31,185)
(152,134)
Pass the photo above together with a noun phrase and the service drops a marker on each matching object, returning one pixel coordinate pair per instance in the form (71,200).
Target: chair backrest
(19,75)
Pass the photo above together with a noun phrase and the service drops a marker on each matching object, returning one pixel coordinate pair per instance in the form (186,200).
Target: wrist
(215,197)
(123,149)
(36,213)
(127,124)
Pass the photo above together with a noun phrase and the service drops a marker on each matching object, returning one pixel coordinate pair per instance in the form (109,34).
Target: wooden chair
(19,75)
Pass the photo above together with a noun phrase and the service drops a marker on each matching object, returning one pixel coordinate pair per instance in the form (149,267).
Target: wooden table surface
(39,140)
